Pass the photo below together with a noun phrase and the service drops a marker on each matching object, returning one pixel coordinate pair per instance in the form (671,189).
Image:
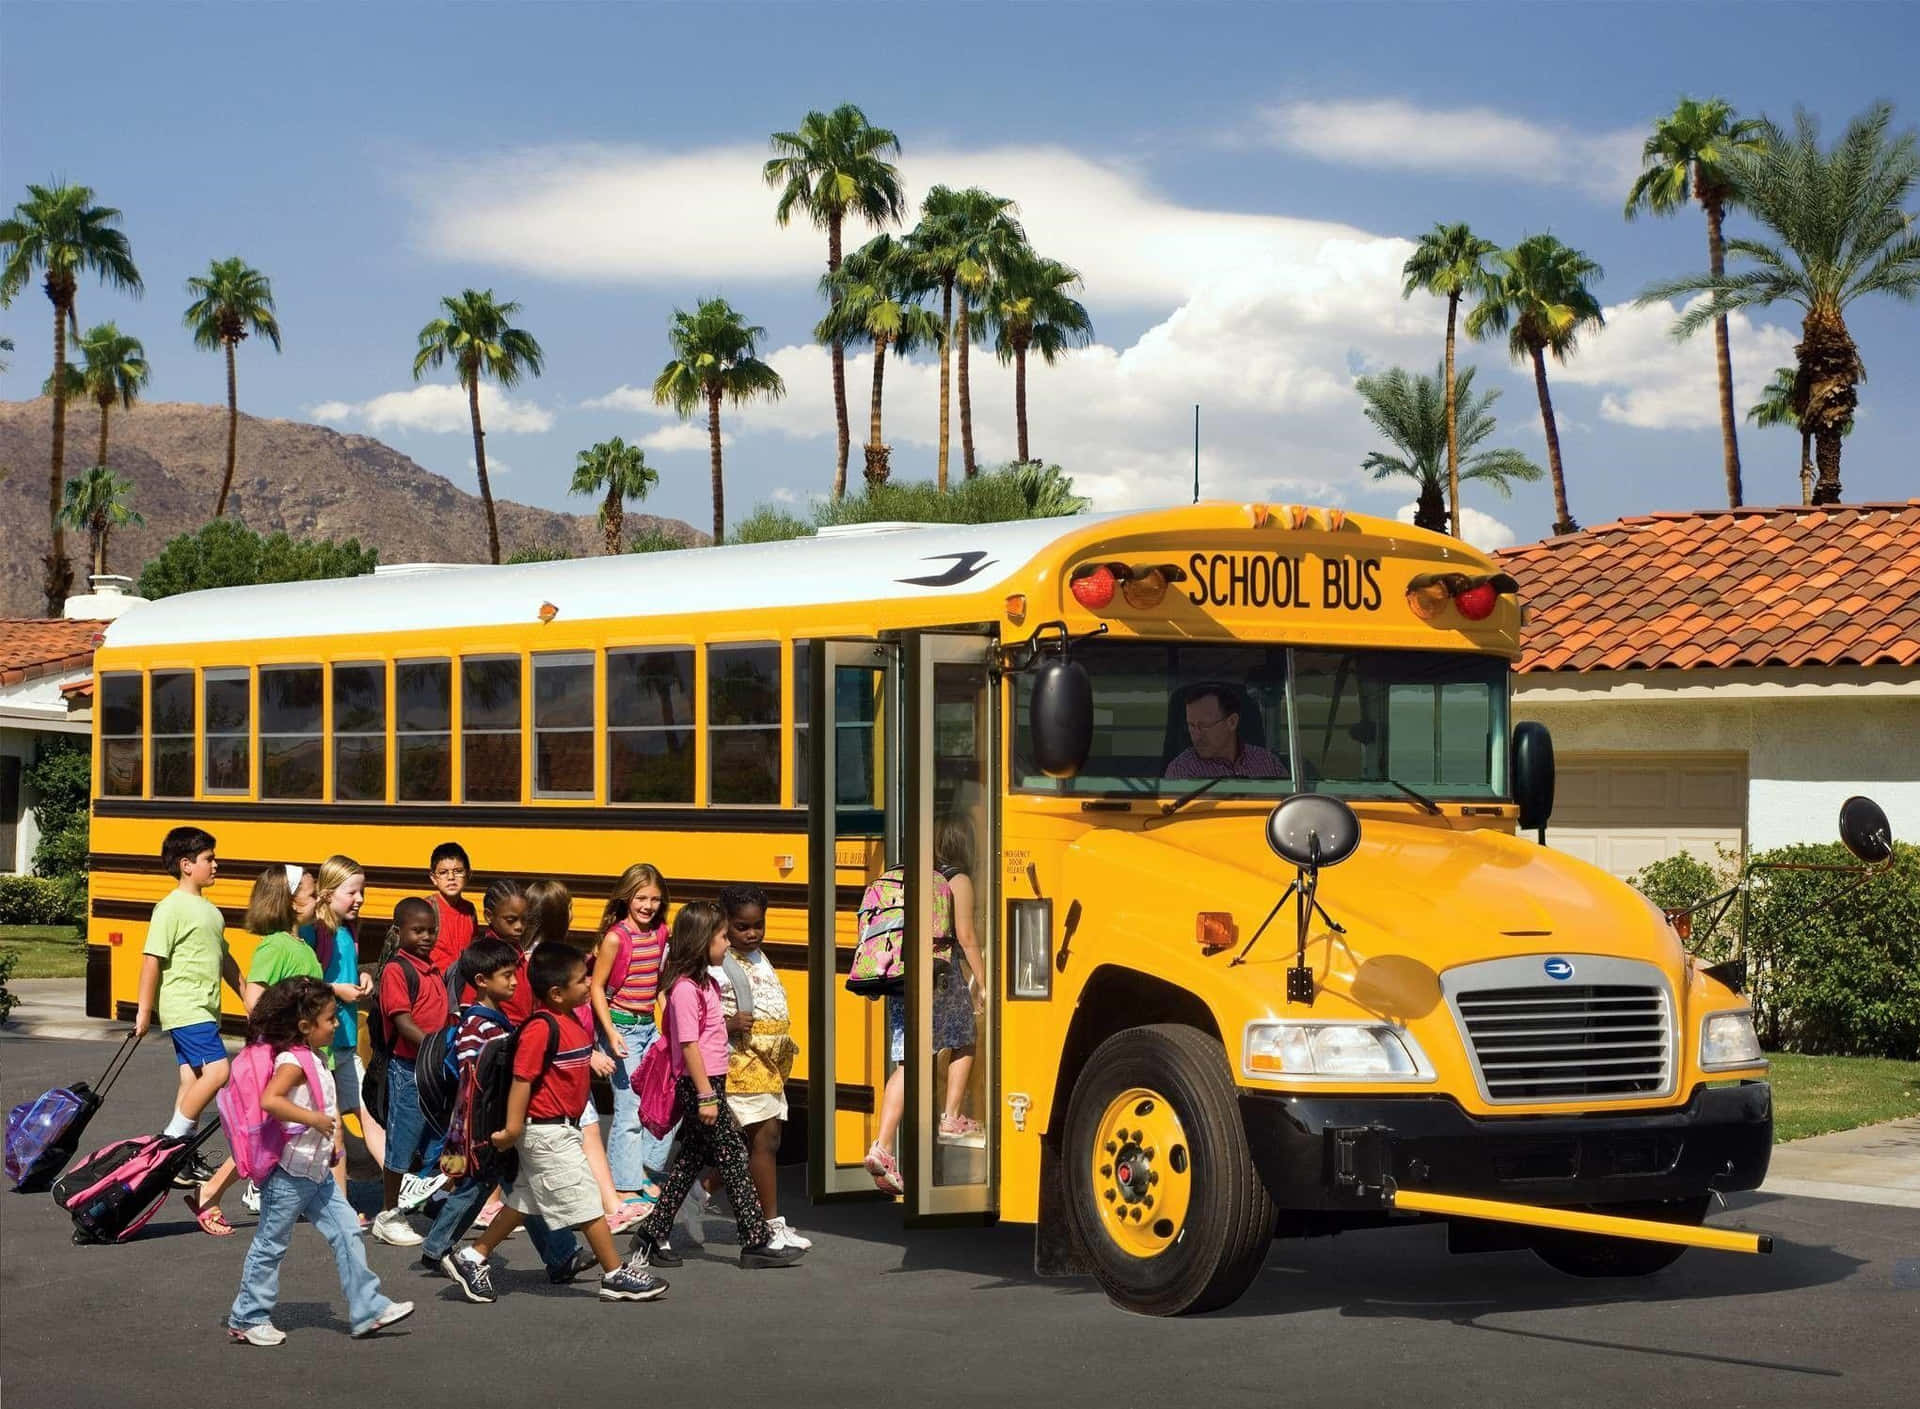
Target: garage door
(1622,811)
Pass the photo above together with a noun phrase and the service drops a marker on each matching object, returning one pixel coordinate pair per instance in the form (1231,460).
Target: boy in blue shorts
(181,966)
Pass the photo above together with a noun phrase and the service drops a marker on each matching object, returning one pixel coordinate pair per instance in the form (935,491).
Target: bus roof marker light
(1016,607)
(548,611)
(1258,515)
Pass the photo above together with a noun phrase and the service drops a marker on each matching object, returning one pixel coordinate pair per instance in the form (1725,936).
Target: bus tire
(1595,1255)
(1161,1186)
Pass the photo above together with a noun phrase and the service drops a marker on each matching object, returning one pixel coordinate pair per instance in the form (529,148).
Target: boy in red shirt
(550,1091)
(448,869)
(413,1002)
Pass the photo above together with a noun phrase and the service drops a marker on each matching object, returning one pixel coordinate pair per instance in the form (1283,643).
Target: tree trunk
(613,517)
(1723,360)
(946,354)
(1563,516)
(839,367)
(1430,511)
(59,572)
(713,450)
(960,332)
(100,531)
(106,407)
(1806,464)
(1830,367)
(876,451)
(1826,459)
(1453,429)
(233,427)
(480,467)
(1020,394)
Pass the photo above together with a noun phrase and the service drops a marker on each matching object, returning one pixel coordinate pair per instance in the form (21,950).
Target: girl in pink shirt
(696,1031)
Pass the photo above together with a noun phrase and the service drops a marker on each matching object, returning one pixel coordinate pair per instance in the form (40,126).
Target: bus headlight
(1330,1051)
(1728,1040)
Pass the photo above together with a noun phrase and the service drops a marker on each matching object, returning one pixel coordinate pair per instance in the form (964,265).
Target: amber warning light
(1429,594)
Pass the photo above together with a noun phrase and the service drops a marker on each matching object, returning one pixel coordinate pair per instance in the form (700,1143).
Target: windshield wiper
(1168,809)
(1425,802)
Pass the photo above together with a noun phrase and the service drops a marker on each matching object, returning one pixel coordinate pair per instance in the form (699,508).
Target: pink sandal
(211,1220)
(885,1169)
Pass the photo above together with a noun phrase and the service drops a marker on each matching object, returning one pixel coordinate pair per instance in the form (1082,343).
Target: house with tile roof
(1724,678)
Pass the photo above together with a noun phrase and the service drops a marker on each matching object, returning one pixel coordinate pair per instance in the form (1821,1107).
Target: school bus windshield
(1265,721)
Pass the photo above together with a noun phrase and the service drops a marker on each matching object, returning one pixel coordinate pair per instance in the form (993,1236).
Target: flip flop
(211,1220)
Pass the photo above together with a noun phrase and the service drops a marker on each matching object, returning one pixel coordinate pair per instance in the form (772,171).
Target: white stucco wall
(1806,751)
(27,711)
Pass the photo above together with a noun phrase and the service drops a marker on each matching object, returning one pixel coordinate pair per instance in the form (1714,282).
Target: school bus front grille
(1565,1042)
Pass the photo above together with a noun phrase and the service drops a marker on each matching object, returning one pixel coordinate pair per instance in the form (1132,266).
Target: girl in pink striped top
(626,975)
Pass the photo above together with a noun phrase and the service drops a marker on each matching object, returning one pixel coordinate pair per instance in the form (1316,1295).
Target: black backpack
(490,1086)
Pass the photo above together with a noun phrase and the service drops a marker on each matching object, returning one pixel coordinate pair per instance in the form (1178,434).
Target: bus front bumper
(1336,1152)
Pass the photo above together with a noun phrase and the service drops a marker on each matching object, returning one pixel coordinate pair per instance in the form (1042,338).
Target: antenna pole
(1196,452)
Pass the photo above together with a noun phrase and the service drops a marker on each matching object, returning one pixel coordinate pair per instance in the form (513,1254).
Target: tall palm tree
(1029,307)
(960,237)
(1782,403)
(876,296)
(834,166)
(1537,295)
(59,232)
(475,332)
(622,472)
(1450,261)
(1840,233)
(1686,159)
(715,357)
(1410,410)
(230,300)
(116,370)
(96,503)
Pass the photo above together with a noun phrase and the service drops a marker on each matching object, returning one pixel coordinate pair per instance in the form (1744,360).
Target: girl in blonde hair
(626,976)
(339,892)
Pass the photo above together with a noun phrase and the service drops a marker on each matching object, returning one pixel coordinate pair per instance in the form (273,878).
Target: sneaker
(884,1168)
(786,1237)
(658,1255)
(962,1130)
(396,1311)
(583,1261)
(470,1270)
(430,1264)
(630,1283)
(265,1333)
(691,1220)
(416,1189)
(393,1229)
(250,1198)
(193,1173)
(770,1255)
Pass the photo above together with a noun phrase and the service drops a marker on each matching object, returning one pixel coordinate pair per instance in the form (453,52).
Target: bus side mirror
(1060,716)
(1532,775)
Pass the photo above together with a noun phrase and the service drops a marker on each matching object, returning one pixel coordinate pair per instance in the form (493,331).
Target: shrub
(229,554)
(6,996)
(1683,881)
(537,555)
(34,900)
(1015,491)
(62,778)
(653,540)
(769,523)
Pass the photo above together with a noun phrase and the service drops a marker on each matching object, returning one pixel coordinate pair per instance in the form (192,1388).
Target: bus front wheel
(1161,1186)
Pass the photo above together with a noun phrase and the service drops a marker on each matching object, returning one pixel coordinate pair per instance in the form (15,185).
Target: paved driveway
(876,1316)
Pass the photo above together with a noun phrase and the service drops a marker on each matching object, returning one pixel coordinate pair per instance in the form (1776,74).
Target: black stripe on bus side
(641,819)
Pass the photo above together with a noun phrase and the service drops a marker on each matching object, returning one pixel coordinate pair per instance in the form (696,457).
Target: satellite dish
(1865,831)
(1311,829)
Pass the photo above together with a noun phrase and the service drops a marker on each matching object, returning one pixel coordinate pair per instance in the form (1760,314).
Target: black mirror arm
(1047,636)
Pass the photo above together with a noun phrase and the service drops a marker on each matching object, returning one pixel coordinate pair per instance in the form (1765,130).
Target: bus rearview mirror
(1060,716)
(1532,775)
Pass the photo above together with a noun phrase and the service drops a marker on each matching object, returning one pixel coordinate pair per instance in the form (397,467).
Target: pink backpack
(256,1138)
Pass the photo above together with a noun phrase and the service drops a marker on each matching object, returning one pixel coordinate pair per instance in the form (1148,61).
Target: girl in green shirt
(282,898)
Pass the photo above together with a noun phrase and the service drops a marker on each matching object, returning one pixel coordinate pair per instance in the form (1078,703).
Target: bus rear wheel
(1594,1255)
(1161,1186)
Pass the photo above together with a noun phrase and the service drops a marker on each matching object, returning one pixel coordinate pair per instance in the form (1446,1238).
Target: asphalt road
(876,1315)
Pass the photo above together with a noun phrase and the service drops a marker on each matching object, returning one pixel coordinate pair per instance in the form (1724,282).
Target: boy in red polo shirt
(448,869)
(413,1002)
(550,1091)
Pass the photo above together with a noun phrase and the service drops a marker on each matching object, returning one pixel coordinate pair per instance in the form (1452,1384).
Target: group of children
(529,1020)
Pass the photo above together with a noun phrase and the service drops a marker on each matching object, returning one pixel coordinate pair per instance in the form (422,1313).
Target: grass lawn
(45,951)
(1815,1095)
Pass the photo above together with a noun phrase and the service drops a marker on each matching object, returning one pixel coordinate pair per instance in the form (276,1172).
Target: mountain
(308,480)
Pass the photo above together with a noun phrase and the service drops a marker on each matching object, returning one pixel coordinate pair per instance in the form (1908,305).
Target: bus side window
(291,746)
(173,733)
(650,725)
(490,728)
(122,733)
(423,729)
(360,733)
(226,727)
(563,725)
(743,724)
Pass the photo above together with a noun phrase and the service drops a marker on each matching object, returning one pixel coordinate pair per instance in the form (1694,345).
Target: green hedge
(1834,965)
(35,900)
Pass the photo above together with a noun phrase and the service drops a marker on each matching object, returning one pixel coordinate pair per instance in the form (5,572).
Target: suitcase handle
(117,1063)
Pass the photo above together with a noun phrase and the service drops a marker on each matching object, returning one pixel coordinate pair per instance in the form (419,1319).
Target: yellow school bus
(1129,715)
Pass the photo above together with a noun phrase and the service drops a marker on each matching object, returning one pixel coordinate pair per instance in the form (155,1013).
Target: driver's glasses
(1197,727)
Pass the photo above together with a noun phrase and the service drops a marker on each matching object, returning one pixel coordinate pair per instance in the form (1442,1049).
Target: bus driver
(1213,723)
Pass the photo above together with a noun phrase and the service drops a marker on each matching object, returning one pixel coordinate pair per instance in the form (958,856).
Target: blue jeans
(406,1128)
(463,1205)
(284,1200)
(635,1155)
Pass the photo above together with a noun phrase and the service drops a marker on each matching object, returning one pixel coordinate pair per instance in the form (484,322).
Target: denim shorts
(406,1130)
(197,1045)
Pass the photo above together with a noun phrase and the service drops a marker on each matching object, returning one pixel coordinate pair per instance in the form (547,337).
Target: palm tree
(960,237)
(98,502)
(1781,404)
(1537,295)
(1841,233)
(59,232)
(1411,411)
(834,166)
(116,370)
(715,356)
(875,297)
(1029,308)
(1686,158)
(1449,261)
(6,345)
(477,335)
(622,471)
(230,300)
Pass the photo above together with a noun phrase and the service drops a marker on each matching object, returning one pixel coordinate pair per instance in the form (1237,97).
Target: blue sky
(1233,180)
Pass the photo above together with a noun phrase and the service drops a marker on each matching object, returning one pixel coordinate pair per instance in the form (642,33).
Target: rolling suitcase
(43,1133)
(114,1191)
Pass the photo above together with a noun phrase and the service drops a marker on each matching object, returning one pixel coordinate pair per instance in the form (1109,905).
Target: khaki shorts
(555,1180)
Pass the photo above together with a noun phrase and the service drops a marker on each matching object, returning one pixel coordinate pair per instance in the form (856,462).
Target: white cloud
(682,435)
(1394,135)
(1483,531)
(626,398)
(1655,383)
(495,466)
(436,408)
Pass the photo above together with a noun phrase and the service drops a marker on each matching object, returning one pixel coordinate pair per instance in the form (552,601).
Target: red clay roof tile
(36,647)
